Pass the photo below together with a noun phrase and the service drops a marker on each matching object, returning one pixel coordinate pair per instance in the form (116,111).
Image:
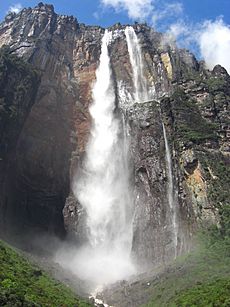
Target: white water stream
(170,192)
(103,190)
(141,95)
(135,55)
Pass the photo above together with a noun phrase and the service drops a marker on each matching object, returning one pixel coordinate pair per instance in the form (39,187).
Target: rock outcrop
(192,102)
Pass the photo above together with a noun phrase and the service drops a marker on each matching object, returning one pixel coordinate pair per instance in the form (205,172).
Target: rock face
(18,86)
(192,102)
(47,139)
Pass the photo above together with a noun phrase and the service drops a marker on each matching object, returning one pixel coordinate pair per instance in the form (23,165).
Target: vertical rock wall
(192,102)
(18,87)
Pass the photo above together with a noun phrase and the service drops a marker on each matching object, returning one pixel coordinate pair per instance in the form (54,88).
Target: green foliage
(190,126)
(216,84)
(194,76)
(197,132)
(179,95)
(22,284)
(201,278)
(224,213)
(215,293)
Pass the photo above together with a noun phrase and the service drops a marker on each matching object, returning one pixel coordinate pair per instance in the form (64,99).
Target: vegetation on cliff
(190,125)
(22,284)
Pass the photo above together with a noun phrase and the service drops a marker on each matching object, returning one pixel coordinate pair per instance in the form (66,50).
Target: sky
(202,26)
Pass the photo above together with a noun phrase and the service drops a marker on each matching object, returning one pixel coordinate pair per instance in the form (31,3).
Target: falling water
(135,54)
(170,192)
(142,94)
(103,189)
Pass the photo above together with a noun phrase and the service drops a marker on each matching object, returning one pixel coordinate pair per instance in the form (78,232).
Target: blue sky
(203,26)
(93,12)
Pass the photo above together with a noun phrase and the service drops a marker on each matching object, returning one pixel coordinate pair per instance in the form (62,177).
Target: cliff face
(47,138)
(191,102)
(18,86)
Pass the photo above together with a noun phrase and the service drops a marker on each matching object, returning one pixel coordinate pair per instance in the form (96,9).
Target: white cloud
(174,33)
(214,43)
(182,33)
(136,9)
(152,10)
(210,40)
(96,15)
(166,11)
(15,8)
(178,29)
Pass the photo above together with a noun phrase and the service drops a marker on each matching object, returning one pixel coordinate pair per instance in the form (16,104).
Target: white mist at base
(103,189)
(135,55)
(170,192)
(97,266)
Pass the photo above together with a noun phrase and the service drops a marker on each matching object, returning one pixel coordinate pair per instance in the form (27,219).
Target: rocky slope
(192,102)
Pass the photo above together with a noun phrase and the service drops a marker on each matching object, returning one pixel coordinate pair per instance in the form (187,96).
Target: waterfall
(141,95)
(103,187)
(135,54)
(103,183)
(170,192)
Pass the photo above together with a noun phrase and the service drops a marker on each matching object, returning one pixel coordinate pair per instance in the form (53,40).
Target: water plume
(103,189)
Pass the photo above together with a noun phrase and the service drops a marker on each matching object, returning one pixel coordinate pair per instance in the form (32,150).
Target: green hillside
(22,284)
(201,278)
